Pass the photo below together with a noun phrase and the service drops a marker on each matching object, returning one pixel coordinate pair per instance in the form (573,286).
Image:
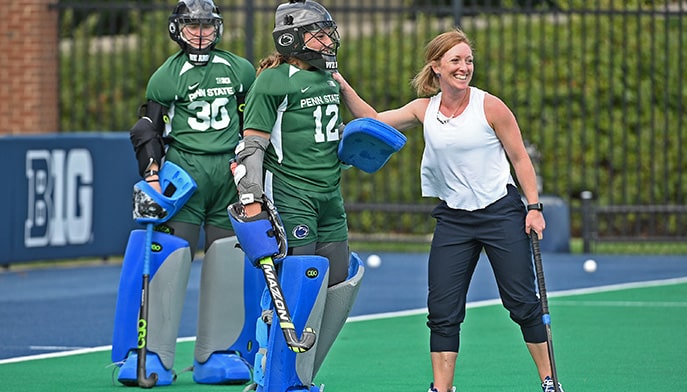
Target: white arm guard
(248,177)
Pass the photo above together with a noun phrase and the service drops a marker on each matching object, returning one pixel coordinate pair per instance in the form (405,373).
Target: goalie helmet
(189,24)
(304,29)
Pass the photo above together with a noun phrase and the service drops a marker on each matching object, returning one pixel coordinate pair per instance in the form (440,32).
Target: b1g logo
(60,197)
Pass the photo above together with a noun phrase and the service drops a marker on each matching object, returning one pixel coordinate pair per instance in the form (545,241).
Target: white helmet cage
(295,19)
(203,13)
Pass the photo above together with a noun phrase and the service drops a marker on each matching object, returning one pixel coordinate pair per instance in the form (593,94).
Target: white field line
(624,304)
(477,304)
(57,348)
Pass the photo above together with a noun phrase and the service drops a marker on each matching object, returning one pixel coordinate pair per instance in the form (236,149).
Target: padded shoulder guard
(146,135)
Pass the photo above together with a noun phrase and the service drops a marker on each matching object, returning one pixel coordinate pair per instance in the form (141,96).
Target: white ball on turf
(374,261)
(589,265)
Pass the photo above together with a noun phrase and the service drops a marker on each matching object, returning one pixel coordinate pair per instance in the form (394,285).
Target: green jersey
(202,100)
(300,109)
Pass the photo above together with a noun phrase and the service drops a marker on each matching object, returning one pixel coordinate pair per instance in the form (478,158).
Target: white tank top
(464,163)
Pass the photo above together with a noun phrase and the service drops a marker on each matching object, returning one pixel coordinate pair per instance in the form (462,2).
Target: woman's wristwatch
(536,206)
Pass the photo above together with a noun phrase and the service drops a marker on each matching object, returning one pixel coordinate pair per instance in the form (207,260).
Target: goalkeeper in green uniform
(193,118)
(292,130)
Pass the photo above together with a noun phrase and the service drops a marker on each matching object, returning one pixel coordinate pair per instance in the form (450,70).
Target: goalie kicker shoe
(222,369)
(127,373)
(547,385)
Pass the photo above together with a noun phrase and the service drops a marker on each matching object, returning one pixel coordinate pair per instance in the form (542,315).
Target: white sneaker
(547,386)
(432,389)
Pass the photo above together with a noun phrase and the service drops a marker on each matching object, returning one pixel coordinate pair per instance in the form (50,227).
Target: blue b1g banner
(66,196)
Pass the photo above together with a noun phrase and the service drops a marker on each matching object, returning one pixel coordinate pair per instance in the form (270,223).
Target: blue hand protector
(150,206)
(261,235)
(368,144)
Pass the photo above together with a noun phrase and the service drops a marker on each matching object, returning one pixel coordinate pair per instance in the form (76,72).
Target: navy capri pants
(459,238)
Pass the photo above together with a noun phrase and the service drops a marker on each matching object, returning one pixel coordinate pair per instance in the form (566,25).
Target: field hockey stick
(143,381)
(308,336)
(546,318)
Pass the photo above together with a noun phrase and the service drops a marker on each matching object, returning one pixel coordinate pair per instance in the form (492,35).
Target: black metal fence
(597,86)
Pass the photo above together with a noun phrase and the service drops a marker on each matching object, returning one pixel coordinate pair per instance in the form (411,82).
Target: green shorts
(311,216)
(216,188)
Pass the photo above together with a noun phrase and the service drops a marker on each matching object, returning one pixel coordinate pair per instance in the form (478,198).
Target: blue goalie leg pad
(229,305)
(340,299)
(127,373)
(259,364)
(304,283)
(222,369)
(125,334)
(262,331)
(254,284)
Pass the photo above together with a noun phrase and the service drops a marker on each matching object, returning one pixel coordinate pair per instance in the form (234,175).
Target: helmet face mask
(198,35)
(196,25)
(305,30)
(322,37)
